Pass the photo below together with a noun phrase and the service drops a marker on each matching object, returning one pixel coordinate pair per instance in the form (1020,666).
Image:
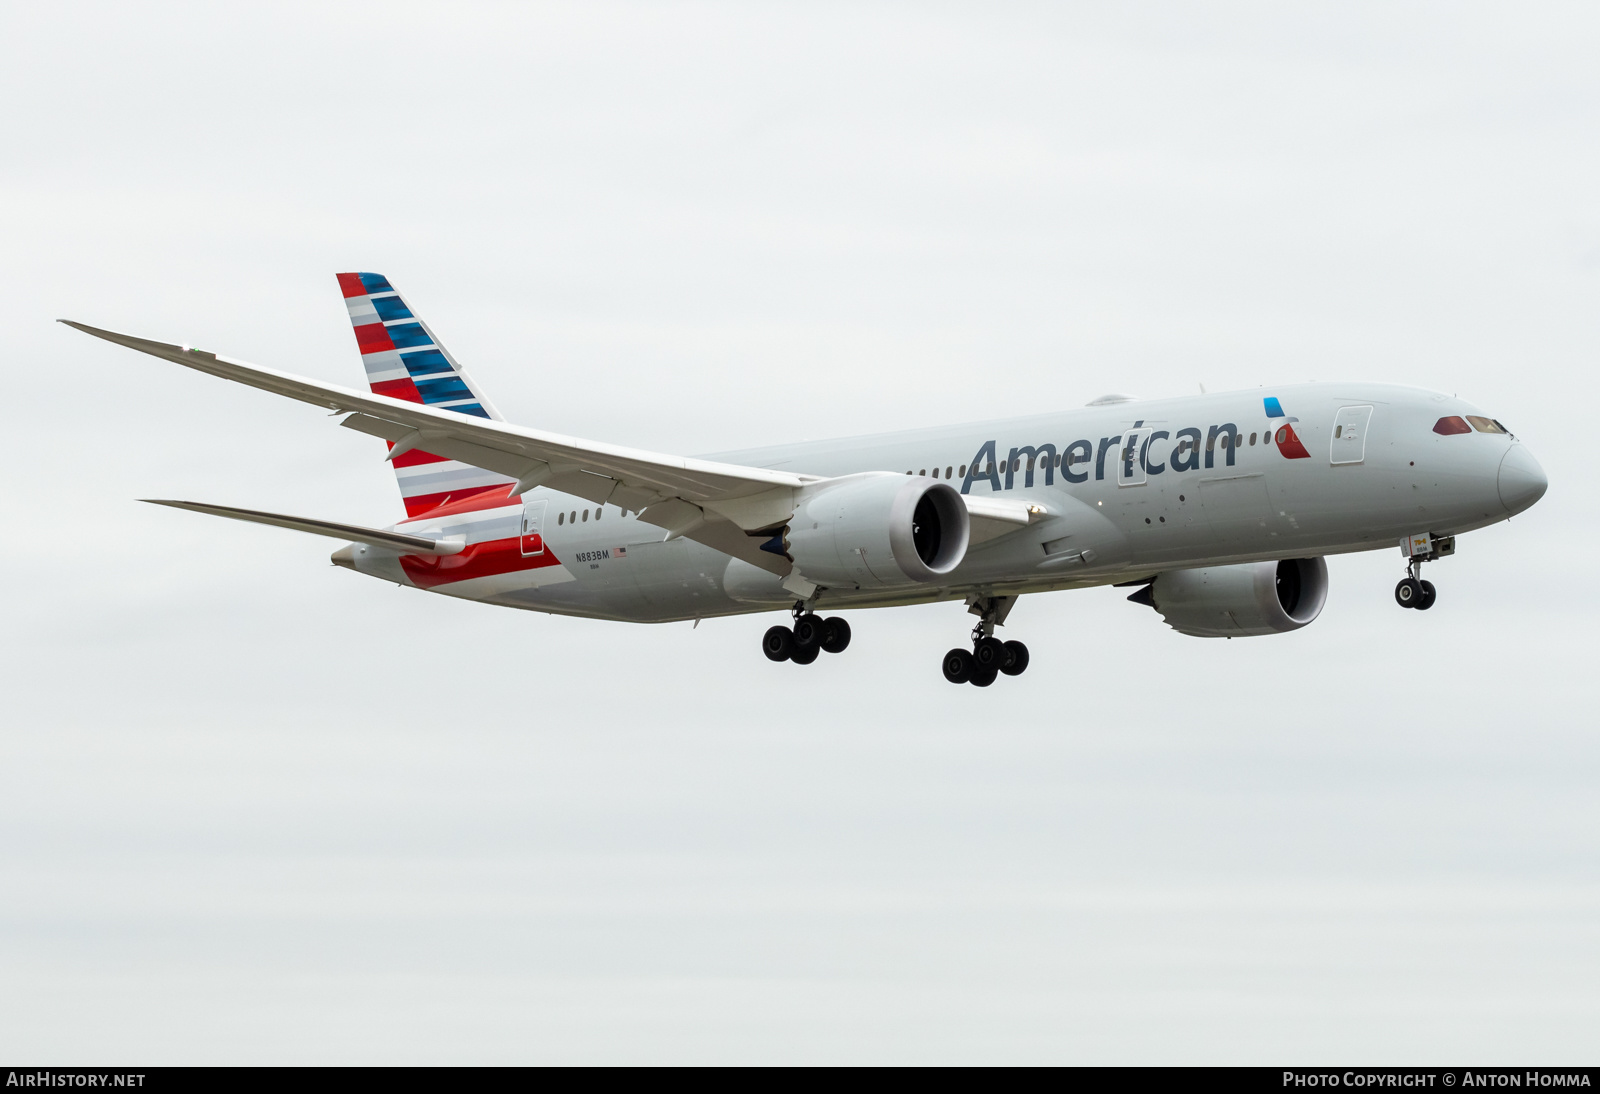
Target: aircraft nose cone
(1522,481)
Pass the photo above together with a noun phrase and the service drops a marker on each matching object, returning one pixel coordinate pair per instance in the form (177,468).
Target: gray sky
(257,809)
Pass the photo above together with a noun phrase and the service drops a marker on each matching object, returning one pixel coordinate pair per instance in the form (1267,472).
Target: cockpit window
(1486,425)
(1453,424)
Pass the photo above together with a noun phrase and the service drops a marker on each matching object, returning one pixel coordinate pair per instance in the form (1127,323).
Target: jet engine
(1234,601)
(878,530)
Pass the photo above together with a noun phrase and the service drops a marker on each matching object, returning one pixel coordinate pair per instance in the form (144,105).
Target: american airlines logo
(1133,456)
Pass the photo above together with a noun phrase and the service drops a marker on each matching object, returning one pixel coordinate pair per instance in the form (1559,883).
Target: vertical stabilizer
(405,361)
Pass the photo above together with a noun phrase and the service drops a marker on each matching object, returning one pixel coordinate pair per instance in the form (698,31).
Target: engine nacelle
(1234,601)
(879,530)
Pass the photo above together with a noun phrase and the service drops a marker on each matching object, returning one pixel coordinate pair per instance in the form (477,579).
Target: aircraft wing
(721,505)
(995,517)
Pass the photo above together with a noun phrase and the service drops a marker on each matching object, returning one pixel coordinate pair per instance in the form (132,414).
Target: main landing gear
(1413,592)
(811,635)
(989,657)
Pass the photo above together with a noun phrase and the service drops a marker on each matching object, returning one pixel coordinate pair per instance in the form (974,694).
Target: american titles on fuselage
(1133,454)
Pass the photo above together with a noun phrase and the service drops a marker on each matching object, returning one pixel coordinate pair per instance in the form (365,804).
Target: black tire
(958,666)
(804,655)
(778,643)
(835,635)
(989,653)
(1016,662)
(983,677)
(1429,593)
(809,631)
(1408,593)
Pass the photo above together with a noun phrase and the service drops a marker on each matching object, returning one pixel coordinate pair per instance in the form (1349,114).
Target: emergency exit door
(533,527)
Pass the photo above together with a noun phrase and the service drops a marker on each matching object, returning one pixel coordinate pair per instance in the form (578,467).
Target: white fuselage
(1181,496)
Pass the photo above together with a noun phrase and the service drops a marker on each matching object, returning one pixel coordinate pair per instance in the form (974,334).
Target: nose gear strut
(1413,591)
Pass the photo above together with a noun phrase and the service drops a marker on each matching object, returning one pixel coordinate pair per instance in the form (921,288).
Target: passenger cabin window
(1486,425)
(1451,425)
(963,470)
(561,518)
(947,472)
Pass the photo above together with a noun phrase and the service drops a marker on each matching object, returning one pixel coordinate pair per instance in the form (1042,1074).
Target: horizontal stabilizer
(411,545)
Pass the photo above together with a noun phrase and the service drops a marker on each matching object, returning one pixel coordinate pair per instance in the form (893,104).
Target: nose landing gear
(1413,592)
(811,635)
(989,657)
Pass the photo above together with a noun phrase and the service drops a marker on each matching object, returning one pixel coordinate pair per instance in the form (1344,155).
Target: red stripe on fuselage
(490,558)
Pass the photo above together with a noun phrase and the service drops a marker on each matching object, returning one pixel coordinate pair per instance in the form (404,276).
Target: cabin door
(533,528)
(1349,444)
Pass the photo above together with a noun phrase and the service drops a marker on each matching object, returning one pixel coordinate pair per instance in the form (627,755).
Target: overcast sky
(254,808)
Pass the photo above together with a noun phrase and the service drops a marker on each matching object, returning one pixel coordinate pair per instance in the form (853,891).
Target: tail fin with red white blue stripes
(405,361)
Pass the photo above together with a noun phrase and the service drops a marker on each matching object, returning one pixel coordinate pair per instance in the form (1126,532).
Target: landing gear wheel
(778,643)
(835,635)
(804,655)
(809,631)
(1408,594)
(958,666)
(1428,595)
(989,653)
(1016,659)
(983,677)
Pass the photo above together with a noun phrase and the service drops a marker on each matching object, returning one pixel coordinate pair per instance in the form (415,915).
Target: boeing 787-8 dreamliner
(1218,508)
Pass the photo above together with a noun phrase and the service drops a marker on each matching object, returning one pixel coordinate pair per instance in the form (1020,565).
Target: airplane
(1218,509)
